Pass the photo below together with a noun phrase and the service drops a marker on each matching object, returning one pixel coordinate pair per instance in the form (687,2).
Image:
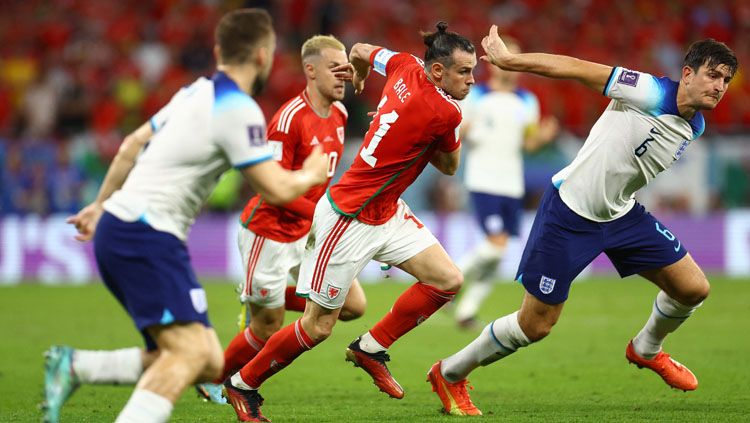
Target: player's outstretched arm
(279,186)
(447,163)
(85,220)
(593,75)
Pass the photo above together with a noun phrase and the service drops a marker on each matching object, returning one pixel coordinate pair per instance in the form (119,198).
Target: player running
(589,209)
(272,238)
(152,192)
(362,218)
(500,123)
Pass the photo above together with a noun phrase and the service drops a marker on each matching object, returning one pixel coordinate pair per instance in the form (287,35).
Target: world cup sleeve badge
(546,285)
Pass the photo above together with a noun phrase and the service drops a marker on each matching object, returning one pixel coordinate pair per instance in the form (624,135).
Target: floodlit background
(77,75)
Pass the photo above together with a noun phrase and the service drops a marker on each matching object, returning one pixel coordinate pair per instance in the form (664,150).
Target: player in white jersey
(500,122)
(150,196)
(589,209)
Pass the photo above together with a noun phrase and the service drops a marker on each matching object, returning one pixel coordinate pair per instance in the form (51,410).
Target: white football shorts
(267,264)
(339,247)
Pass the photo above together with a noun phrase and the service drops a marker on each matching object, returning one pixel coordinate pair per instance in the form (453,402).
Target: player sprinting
(272,238)
(589,208)
(145,207)
(362,218)
(499,125)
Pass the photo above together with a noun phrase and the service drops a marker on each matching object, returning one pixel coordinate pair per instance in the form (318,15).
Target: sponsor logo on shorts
(628,78)
(198,298)
(333,291)
(546,285)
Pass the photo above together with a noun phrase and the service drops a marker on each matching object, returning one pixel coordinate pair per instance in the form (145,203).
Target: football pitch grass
(578,373)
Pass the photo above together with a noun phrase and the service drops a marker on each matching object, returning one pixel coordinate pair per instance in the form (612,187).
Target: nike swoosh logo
(655,131)
(677,248)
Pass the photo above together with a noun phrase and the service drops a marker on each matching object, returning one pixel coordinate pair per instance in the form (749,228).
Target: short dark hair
(441,44)
(712,53)
(240,31)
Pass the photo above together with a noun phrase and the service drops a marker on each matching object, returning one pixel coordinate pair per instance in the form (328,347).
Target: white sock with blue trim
(499,339)
(145,407)
(666,316)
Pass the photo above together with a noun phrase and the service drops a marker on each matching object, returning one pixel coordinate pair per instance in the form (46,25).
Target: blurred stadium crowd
(77,75)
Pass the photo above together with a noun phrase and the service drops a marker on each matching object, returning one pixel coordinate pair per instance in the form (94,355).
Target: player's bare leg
(683,289)
(480,267)
(355,303)
(499,339)
(189,353)
(438,280)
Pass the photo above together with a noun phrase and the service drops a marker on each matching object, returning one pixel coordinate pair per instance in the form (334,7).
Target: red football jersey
(415,118)
(292,133)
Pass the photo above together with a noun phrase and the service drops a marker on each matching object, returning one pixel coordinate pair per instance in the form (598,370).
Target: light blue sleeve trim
(153,125)
(251,162)
(611,80)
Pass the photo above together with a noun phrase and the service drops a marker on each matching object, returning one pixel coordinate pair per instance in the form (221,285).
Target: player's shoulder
(447,106)
(288,114)
(340,108)
(230,102)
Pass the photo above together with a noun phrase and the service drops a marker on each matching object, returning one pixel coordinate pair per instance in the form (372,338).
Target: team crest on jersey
(340,134)
(333,291)
(546,285)
(681,150)
(628,77)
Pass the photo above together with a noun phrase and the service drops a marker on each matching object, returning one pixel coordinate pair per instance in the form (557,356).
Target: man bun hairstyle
(712,53)
(442,43)
(239,32)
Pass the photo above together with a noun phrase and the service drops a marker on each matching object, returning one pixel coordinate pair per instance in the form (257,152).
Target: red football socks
(292,301)
(240,351)
(281,349)
(413,307)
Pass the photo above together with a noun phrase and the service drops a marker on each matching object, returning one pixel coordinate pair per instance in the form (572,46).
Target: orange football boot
(454,396)
(674,373)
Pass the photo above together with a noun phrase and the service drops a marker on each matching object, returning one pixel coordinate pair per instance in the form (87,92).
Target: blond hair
(314,45)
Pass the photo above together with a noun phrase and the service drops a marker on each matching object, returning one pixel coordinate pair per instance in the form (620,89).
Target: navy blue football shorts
(562,243)
(149,273)
(497,213)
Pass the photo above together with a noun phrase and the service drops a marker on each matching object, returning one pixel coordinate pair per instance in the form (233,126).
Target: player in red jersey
(362,217)
(272,238)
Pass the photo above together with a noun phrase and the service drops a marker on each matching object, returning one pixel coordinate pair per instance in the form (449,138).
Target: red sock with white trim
(413,307)
(292,301)
(281,349)
(243,348)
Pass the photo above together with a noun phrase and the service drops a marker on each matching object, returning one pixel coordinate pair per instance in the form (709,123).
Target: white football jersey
(498,122)
(639,135)
(205,129)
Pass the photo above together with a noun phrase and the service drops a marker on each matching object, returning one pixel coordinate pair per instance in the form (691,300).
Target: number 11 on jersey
(384,124)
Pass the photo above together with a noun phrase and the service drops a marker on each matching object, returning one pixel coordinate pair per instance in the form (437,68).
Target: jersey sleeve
(451,140)
(385,61)
(639,89)
(283,145)
(240,130)
(158,120)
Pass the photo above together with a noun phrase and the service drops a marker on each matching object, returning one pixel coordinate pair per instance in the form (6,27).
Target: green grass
(579,373)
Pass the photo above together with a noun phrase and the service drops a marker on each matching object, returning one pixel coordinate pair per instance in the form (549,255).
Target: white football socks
(666,316)
(238,382)
(369,344)
(482,262)
(115,366)
(499,339)
(472,298)
(145,407)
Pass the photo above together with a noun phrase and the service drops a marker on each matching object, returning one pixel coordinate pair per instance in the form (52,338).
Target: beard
(258,85)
